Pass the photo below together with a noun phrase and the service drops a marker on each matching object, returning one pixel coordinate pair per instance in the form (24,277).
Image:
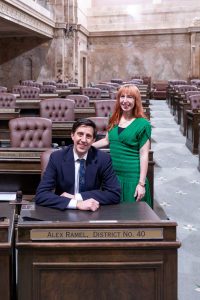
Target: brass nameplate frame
(97,234)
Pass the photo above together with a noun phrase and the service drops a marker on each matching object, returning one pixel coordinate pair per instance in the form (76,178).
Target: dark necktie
(82,175)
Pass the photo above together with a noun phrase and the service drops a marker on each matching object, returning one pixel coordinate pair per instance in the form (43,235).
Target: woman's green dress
(124,150)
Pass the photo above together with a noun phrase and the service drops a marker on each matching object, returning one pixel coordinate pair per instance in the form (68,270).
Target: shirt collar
(76,157)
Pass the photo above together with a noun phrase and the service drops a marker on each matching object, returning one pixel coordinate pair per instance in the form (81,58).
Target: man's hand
(89,204)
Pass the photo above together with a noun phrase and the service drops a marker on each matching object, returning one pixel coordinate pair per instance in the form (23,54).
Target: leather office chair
(30,132)
(27,82)
(48,89)
(92,92)
(159,90)
(80,100)
(44,158)
(190,93)
(29,92)
(57,109)
(195,102)
(104,108)
(61,86)
(101,124)
(3,89)
(49,82)
(7,100)
(16,88)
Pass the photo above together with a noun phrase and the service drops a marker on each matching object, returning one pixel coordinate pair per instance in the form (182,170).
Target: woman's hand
(139,192)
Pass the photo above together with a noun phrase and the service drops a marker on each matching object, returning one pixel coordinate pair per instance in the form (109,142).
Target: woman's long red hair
(137,112)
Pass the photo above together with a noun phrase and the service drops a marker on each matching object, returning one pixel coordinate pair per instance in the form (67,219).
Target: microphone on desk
(19,196)
(18,201)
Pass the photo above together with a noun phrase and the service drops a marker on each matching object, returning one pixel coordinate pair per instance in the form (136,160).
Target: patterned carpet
(177,194)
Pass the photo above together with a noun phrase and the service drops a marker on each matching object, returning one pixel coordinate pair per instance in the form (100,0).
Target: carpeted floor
(177,194)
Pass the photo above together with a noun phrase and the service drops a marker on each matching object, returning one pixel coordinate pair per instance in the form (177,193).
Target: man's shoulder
(61,152)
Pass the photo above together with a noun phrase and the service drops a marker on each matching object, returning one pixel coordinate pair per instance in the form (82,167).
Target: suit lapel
(68,168)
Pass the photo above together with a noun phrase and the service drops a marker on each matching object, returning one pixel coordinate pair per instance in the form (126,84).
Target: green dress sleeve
(145,134)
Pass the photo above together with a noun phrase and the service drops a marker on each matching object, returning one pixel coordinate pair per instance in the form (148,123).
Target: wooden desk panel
(7,259)
(192,131)
(136,267)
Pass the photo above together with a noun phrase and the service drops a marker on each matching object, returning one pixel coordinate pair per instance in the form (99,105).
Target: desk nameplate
(97,234)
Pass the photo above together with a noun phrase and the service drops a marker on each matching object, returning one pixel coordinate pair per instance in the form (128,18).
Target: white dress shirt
(73,202)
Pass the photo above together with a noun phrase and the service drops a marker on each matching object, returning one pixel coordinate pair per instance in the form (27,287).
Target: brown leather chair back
(7,100)
(3,89)
(49,82)
(80,100)
(29,92)
(30,132)
(190,93)
(44,159)
(104,108)
(92,92)
(48,89)
(101,124)
(61,86)
(195,102)
(57,109)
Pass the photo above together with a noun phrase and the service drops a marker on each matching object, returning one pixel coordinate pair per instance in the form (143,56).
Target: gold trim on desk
(97,234)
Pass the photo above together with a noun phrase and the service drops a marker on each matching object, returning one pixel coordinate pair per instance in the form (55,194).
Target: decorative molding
(17,16)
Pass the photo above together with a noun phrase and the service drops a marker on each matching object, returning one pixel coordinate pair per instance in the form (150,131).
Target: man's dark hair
(85,122)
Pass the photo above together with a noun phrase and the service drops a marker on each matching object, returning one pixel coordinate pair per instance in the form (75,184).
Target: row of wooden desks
(75,254)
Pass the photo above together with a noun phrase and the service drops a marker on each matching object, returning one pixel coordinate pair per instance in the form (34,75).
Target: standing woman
(129,134)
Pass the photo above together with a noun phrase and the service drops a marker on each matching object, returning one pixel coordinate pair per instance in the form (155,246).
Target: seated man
(70,182)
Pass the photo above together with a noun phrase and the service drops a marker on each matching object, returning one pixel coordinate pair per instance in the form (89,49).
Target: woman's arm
(101,143)
(144,160)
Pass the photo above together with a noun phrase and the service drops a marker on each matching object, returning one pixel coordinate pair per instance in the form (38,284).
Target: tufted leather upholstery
(49,82)
(16,89)
(104,108)
(27,82)
(30,132)
(7,100)
(61,86)
(177,82)
(80,100)
(48,89)
(29,92)
(44,159)
(57,109)
(92,92)
(101,124)
(3,89)
(195,102)
(190,93)
(159,90)
(186,88)
(72,84)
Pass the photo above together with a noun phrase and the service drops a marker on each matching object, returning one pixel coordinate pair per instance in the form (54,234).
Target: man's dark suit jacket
(101,181)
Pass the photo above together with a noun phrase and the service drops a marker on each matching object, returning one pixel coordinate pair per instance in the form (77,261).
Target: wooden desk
(20,170)
(184,106)
(192,131)
(119,252)
(7,257)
